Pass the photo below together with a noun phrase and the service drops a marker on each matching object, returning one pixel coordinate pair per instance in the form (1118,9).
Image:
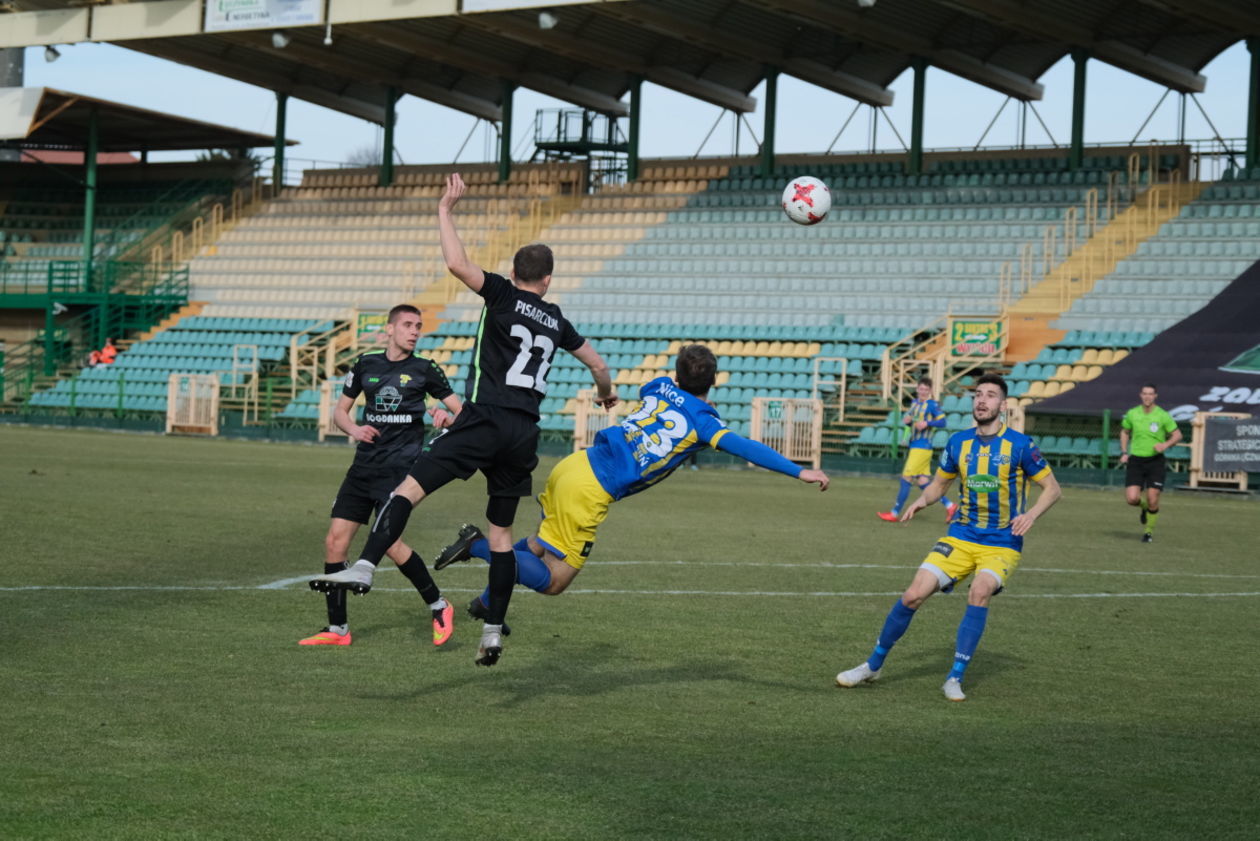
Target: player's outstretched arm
(457,260)
(932,493)
(815,477)
(605,394)
(1050,493)
(761,455)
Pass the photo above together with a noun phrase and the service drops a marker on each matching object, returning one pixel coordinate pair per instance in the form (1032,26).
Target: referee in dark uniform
(497,430)
(395,381)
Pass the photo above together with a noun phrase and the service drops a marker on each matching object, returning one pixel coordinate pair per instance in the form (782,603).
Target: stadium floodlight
(51,54)
(866,4)
(546,20)
(280,39)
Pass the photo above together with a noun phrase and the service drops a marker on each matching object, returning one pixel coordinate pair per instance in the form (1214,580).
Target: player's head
(924,389)
(987,398)
(533,265)
(403,327)
(695,369)
(1148,394)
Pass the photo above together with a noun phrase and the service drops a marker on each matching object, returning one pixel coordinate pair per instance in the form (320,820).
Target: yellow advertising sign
(974,338)
(370,326)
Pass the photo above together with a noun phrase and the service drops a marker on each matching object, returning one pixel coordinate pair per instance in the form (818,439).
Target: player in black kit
(395,381)
(497,431)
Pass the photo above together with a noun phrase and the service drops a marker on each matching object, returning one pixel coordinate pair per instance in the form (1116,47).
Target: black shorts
(364,491)
(501,443)
(1146,471)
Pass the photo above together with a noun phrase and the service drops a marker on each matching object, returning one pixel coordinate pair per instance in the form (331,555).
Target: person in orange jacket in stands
(108,353)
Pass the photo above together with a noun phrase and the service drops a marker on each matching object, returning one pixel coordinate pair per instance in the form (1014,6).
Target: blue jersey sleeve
(934,416)
(1033,463)
(758,453)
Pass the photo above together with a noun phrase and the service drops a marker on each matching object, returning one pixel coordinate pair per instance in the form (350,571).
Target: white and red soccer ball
(806,200)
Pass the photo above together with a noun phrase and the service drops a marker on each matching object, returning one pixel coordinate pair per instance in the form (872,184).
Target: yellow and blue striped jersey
(924,410)
(995,472)
(667,425)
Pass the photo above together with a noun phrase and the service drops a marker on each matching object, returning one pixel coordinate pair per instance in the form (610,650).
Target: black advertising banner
(1208,362)
(1231,444)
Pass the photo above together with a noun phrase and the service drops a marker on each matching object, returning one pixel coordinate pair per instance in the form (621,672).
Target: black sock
(418,574)
(502,579)
(336,599)
(389,527)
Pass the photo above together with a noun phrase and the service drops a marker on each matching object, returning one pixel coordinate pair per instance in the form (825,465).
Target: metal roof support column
(916,119)
(505,137)
(636,112)
(1076,153)
(1253,105)
(767,135)
(277,159)
(385,177)
(89,201)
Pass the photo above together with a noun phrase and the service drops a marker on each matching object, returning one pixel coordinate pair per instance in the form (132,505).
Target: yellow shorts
(952,560)
(574,503)
(918,463)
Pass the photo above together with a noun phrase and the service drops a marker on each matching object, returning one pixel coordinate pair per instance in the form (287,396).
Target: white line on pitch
(755,594)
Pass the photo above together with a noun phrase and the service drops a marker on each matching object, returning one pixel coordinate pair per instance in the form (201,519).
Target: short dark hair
(696,369)
(400,309)
(1151,386)
(927,381)
(533,262)
(993,379)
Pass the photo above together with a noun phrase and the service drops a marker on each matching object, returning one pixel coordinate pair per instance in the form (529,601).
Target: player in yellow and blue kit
(671,421)
(922,420)
(995,464)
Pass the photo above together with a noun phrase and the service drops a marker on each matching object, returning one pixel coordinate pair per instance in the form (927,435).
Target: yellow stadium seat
(1037,389)
(1090,357)
(1063,372)
(1093,372)
(1078,373)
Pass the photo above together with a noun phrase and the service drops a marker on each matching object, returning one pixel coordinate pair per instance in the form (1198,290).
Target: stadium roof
(460,52)
(53,119)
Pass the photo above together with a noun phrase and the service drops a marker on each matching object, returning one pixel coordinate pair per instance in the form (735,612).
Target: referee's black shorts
(1146,471)
(365,490)
(501,443)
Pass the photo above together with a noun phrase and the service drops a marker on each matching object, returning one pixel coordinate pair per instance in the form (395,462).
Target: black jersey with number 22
(517,340)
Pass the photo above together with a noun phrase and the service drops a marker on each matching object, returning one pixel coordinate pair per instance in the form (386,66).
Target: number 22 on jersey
(546,349)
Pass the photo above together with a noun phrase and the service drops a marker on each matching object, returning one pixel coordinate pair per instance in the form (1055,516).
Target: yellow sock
(1151,517)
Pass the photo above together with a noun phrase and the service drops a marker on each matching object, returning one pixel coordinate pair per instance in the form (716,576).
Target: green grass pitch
(154,592)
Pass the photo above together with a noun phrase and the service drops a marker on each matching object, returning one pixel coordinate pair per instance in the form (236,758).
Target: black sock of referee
(335,599)
(418,574)
(502,580)
(388,528)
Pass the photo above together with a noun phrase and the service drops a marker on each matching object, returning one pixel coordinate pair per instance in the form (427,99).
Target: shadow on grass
(583,670)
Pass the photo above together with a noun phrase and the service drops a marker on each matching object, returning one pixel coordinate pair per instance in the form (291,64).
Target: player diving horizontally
(671,422)
(986,539)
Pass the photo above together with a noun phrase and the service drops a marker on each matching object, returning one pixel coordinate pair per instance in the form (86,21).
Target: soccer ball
(806,200)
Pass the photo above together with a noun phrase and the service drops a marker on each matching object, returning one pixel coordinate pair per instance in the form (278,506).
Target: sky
(673,125)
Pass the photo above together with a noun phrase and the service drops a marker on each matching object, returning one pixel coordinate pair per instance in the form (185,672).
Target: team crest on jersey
(388,399)
(403,379)
(349,380)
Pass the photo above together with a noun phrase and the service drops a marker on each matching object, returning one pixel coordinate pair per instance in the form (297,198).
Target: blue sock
(531,570)
(894,626)
(970,629)
(902,495)
(945,501)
